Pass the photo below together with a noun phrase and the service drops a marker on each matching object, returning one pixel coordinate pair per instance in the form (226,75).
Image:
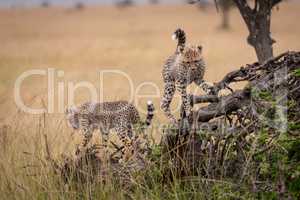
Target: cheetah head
(72,117)
(191,56)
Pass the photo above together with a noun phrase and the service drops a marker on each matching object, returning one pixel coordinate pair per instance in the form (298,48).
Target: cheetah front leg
(207,87)
(87,136)
(181,88)
(169,91)
(104,130)
(87,131)
(124,131)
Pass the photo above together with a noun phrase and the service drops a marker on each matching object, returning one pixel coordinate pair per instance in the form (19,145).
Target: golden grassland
(135,40)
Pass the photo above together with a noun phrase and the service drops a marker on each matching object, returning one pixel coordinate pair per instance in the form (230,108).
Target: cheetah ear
(199,48)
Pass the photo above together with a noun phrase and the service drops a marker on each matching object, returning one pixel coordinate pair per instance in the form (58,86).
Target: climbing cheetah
(118,115)
(182,68)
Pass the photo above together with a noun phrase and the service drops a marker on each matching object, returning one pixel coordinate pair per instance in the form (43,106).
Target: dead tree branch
(256,74)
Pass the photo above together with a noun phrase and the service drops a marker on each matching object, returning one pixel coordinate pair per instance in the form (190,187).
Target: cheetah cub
(118,115)
(182,68)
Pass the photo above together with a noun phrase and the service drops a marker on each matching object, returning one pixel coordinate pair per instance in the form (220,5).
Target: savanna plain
(78,45)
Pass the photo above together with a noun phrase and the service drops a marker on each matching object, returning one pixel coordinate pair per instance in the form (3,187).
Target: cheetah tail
(179,35)
(150,113)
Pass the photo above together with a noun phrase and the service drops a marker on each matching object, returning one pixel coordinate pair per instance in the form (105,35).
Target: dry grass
(135,40)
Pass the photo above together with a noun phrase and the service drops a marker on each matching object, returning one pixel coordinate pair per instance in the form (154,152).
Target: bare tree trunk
(258,21)
(260,34)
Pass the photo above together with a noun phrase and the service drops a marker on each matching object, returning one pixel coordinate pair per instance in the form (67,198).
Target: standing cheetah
(182,68)
(118,115)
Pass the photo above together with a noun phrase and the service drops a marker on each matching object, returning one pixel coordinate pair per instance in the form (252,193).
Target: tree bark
(260,33)
(258,21)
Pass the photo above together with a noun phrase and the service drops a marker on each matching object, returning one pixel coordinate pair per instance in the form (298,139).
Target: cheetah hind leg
(181,87)
(166,101)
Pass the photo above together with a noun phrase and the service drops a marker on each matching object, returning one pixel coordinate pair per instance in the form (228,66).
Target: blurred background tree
(79,5)
(153,1)
(225,6)
(45,4)
(124,3)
